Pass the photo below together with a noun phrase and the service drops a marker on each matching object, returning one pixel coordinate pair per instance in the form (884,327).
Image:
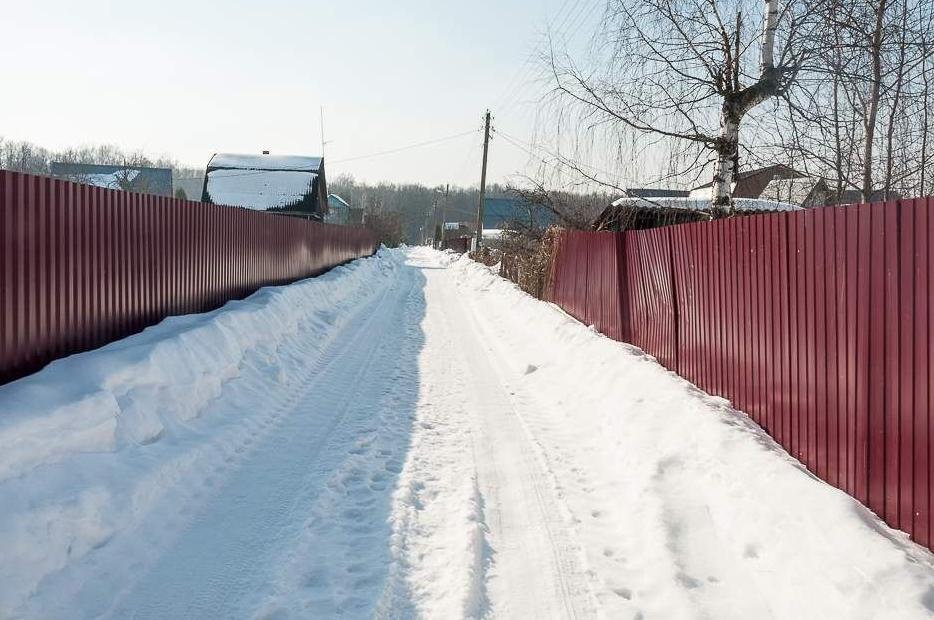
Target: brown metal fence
(81,266)
(458,244)
(818,324)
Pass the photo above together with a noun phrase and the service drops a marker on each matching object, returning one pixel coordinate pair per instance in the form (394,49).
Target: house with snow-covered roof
(141,179)
(751,183)
(293,184)
(805,191)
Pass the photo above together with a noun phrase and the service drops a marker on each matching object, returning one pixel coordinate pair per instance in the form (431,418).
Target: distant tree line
(24,156)
(419,206)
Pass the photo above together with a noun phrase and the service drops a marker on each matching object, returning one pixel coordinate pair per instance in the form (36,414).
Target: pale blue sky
(191,78)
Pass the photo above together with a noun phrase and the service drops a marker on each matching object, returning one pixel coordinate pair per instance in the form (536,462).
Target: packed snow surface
(411,436)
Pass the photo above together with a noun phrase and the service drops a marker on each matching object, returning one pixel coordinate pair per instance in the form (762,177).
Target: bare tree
(24,156)
(859,115)
(566,209)
(926,49)
(689,71)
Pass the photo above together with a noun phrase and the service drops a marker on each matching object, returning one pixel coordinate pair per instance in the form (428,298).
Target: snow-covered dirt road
(411,436)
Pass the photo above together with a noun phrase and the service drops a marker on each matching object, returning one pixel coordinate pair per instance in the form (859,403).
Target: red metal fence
(818,324)
(82,266)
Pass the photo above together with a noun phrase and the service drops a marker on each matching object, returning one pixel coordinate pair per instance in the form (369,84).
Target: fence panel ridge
(817,323)
(81,266)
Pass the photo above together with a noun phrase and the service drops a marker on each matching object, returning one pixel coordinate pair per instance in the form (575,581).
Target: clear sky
(187,79)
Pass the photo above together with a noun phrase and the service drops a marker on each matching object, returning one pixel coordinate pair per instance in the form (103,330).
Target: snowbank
(684,506)
(90,443)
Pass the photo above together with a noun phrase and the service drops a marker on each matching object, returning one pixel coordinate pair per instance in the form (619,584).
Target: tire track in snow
(384,465)
(560,445)
(179,477)
(529,527)
(684,574)
(215,556)
(220,565)
(439,547)
(340,560)
(683,508)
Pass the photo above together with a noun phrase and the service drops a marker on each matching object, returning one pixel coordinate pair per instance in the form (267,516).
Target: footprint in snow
(530,369)
(688,582)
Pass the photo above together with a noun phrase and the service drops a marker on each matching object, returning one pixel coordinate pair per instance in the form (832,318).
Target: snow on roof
(144,179)
(797,191)
(265,162)
(259,189)
(112,180)
(338,199)
(703,204)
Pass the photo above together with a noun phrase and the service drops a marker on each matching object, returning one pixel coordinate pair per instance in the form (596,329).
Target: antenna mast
(322,131)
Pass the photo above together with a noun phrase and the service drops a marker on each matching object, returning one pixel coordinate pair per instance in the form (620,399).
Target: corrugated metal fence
(818,324)
(82,266)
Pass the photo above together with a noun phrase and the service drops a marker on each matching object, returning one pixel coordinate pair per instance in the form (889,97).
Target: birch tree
(688,72)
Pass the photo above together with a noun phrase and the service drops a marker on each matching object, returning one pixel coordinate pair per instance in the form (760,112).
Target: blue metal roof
(336,202)
(499,213)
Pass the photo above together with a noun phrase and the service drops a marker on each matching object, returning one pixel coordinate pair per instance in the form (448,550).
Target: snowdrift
(90,443)
(684,504)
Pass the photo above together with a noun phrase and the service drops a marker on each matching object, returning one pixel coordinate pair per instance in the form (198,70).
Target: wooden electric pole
(444,215)
(486,149)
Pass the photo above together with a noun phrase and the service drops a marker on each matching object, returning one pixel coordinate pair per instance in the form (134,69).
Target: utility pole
(428,231)
(486,149)
(444,215)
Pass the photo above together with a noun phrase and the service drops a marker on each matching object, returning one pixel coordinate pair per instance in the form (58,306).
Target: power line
(580,19)
(530,148)
(567,16)
(577,15)
(514,87)
(406,148)
(472,150)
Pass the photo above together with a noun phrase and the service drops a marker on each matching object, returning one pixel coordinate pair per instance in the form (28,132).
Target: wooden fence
(81,266)
(817,323)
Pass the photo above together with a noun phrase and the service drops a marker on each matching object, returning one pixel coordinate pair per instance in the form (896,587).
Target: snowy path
(410,436)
